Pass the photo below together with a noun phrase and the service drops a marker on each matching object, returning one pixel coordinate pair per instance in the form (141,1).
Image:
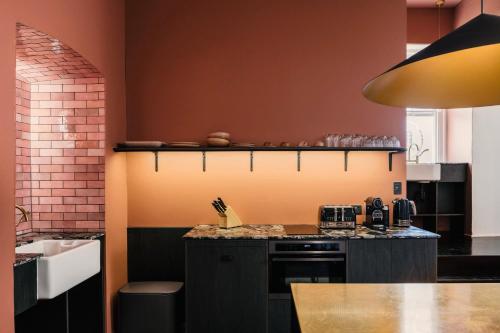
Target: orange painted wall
(95,29)
(262,70)
(180,193)
(423,25)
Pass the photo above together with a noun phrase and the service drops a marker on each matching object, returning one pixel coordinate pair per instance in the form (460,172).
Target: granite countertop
(277,231)
(37,236)
(23,258)
(396,308)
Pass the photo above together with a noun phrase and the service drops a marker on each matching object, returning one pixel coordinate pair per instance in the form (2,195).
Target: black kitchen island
(238,280)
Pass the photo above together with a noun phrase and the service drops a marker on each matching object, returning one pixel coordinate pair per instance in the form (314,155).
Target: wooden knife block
(229,219)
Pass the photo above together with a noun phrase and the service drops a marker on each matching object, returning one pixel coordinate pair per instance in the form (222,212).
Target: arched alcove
(60,135)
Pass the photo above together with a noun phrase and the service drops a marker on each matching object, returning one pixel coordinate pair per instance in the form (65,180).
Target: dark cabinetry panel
(369,261)
(451,172)
(413,260)
(25,286)
(226,286)
(280,314)
(145,248)
(392,261)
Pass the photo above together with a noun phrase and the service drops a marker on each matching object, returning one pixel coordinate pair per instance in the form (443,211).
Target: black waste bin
(149,307)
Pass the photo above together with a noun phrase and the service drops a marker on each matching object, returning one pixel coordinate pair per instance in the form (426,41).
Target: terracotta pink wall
(95,29)
(422,25)
(469,9)
(262,70)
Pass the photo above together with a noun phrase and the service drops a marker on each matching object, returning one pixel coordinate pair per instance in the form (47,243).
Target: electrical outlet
(397,188)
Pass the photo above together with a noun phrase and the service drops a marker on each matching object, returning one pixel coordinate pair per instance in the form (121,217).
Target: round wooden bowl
(217,142)
(219,135)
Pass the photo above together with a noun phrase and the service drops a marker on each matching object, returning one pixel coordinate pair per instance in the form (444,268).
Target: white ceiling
(430,3)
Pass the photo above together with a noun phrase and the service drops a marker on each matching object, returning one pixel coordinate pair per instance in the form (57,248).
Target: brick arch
(60,135)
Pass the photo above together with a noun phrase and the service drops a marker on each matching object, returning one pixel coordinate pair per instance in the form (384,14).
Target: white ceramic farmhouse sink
(63,264)
(423,171)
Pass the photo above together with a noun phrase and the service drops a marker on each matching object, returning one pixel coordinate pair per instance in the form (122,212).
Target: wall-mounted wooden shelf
(204,149)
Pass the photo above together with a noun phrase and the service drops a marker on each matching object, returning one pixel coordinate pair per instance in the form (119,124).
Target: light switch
(398,188)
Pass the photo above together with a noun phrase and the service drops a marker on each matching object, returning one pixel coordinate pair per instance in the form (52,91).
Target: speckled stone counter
(23,258)
(277,231)
(37,236)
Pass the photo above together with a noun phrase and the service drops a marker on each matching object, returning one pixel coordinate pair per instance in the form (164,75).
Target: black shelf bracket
(251,160)
(203,149)
(298,160)
(204,160)
(156,160)
(390,160)
(346,160)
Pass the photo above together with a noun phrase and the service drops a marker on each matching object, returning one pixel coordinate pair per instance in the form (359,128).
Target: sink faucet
(418,154)
(417,147)
(25,214)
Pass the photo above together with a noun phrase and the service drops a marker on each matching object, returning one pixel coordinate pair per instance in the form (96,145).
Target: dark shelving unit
(442,205)
(205,149)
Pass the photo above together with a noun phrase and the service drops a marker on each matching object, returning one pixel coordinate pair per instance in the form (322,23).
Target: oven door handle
(308,259)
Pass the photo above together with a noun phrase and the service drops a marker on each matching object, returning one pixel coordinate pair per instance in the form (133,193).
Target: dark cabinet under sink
(25,286)
(79,310)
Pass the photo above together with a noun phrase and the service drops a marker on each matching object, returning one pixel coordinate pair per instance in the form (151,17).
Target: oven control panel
(306,246)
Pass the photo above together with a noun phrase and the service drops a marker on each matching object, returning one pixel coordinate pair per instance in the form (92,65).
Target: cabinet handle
(226,257)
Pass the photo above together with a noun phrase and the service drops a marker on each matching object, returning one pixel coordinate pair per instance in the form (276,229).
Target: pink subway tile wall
(67,133)
(23,152)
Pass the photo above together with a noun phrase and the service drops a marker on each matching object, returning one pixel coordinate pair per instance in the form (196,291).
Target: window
(424,128)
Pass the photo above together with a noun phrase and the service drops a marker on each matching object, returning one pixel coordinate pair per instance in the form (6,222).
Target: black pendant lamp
(459,70)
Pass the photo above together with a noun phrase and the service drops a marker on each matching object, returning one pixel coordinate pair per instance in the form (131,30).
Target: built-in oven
(305,261)
(300,261)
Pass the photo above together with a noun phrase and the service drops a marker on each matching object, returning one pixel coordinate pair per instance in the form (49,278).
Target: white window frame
(440,128)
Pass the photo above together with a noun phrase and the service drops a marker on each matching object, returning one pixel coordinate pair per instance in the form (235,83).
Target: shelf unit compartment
(424,195)
(451,198)
(425,222)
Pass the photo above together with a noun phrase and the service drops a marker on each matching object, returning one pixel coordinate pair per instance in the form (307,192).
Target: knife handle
(217,208)
(222,203)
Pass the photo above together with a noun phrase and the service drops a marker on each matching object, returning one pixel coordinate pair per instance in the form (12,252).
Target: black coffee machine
(377,214)
(402,211)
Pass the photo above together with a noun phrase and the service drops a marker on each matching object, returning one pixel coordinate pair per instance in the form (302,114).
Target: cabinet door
(414,260)
(226,286)
(280,314)
(25,286)
(369,261)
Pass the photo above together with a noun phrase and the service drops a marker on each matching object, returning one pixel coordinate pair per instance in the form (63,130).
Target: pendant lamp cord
(439,4)
(482,7)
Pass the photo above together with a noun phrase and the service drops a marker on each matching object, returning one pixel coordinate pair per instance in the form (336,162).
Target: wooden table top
(391,308)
